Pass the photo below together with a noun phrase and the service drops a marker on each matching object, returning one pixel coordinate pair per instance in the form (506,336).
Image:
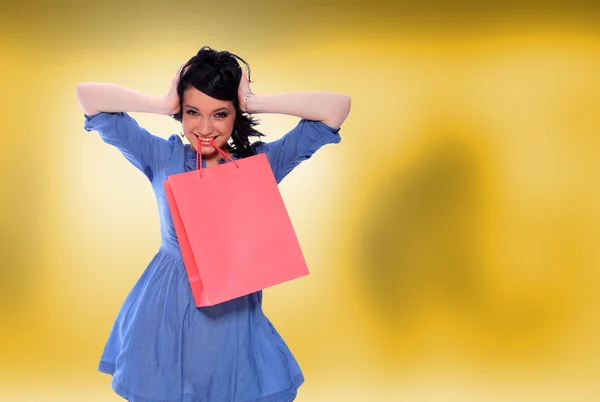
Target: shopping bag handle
(228,158)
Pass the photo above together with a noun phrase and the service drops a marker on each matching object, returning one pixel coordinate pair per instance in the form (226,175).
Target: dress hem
(289,393)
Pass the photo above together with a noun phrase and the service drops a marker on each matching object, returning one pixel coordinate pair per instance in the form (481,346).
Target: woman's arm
(329,108)
(96,97)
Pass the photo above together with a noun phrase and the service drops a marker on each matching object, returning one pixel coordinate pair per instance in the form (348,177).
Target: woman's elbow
(346,105)
(340,111)
(82,92)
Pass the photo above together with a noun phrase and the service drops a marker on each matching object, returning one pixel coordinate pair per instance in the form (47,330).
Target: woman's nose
(204,127)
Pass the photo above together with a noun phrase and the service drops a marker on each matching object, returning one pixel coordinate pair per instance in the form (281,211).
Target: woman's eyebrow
(214,111)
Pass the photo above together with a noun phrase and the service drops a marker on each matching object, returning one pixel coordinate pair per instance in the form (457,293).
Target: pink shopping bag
(234,231)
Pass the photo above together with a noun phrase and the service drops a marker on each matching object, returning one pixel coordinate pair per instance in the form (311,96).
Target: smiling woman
(209,95)
(162,347)
(210,121)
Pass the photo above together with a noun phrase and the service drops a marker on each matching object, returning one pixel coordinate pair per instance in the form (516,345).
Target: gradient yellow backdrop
(453,235)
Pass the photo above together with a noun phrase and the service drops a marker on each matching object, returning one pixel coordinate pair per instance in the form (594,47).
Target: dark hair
(218,75)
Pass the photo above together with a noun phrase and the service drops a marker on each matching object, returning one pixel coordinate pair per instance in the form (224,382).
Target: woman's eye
(221,115)
(191,112)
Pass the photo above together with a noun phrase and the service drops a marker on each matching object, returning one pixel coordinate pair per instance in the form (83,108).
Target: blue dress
(162,348)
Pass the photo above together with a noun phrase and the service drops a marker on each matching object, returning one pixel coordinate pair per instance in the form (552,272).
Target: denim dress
(162,348)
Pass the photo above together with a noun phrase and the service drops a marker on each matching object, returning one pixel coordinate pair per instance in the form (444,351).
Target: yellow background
(453,235)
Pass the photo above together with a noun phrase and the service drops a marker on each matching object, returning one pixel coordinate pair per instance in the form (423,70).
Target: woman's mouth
(206,141)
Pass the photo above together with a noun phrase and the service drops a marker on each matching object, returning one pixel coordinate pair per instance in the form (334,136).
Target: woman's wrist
(164,106)
(248,96)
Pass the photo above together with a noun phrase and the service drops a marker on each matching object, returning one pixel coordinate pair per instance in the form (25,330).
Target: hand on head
(172,103)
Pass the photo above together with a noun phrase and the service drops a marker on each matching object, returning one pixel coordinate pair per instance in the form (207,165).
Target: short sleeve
(297,145)
(145,151)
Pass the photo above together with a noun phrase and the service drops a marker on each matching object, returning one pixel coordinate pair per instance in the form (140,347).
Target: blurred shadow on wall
(420,240)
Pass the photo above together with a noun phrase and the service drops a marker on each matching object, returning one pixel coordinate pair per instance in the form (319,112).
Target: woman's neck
(213,159)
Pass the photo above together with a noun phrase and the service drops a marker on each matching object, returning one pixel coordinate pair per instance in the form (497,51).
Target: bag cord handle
(228,158)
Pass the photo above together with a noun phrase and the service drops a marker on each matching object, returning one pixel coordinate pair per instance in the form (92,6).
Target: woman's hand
(171,101)
(244,92)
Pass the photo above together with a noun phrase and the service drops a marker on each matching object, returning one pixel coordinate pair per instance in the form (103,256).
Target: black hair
(218,75)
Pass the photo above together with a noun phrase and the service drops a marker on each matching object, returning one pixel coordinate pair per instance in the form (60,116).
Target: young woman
(162,348)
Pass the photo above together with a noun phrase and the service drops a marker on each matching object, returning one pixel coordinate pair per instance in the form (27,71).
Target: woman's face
(206,118)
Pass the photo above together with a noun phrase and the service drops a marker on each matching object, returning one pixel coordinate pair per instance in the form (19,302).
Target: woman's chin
(205,149)
(208,150)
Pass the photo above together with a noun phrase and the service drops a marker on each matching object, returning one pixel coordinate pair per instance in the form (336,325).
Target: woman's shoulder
(174,139)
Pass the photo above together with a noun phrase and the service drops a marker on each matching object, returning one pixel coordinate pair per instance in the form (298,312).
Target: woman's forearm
(330,108)
(96,97)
